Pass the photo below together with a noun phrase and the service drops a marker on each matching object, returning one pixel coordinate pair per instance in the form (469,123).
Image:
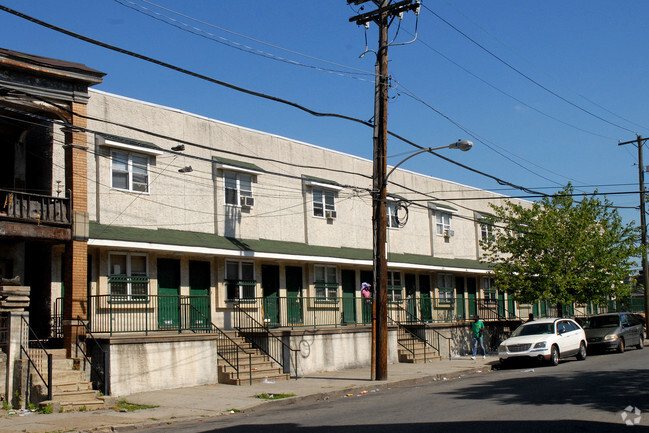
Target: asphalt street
(576,396)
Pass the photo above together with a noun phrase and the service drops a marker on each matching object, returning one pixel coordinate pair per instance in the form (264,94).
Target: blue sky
(544,89)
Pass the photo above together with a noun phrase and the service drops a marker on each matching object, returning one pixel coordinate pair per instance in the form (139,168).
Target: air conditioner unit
(247,201)
(330,214)
(449,233)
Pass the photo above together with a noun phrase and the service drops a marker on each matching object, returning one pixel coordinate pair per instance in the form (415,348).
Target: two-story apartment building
(180,222)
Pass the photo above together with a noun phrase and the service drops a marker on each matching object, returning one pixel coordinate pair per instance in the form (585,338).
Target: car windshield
(603,322)
(534,329)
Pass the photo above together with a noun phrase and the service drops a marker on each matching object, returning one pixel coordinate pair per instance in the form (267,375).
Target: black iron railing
(38,358)
(96,357)
(261,338)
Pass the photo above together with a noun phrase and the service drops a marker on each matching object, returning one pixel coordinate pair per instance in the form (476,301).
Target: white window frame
(445,287)
(442,222)
(238,188)
(391,210)
(395,286)
(128,272)
(320,203)
(489,289)
(325,282)
(243,291)
(130,170)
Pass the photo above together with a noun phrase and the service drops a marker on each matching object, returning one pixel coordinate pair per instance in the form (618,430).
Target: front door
(471,292)
(270,291)
(293,292)
(411,297)
(348,277)
(501,305)
(199,294)
(426,305)
(460,309)
(168,293)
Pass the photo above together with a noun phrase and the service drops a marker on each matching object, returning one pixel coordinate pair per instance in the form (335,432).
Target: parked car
(615,331)
(547,340)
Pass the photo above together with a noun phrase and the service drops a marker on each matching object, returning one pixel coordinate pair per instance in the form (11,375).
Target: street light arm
(463,145)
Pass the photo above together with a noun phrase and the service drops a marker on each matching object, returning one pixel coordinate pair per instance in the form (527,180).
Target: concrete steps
(71,389)
(254,367)
(416,351)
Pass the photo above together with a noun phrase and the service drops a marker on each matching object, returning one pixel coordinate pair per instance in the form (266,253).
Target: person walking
(477,328)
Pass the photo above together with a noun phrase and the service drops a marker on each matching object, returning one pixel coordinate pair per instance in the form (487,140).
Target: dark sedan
(614,331)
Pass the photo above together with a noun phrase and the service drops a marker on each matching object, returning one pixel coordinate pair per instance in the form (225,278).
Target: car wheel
(503,363)
(554,356)
(581,355)
(641,343)
(620,346)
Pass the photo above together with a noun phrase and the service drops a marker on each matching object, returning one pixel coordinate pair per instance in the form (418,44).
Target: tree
(561,250)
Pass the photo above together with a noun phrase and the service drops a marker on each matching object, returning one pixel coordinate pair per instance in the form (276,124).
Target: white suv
(546,340)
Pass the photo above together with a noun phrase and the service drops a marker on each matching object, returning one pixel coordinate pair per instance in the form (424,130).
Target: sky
(545,90)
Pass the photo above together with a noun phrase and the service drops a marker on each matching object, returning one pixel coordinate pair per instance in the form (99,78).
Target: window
(445,287)
(393,220)
(129,171)
(127,279)
(238,186)
(326,282)
(323,201)
(442,223)
(486,232)
(395,289)
(240,280)
(489,289)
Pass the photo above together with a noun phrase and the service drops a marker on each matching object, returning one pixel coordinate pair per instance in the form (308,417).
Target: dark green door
(511,307)
(367,277)
(501,305)
(471,294)
(293,291)
(348,277)
(426,305)
(460,308)
(168,293)
(535,310)
(411,298)
(199,295)
(270,291)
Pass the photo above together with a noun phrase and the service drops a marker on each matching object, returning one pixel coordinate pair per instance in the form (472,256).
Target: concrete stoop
(420,353)
(254,367)
(71,389)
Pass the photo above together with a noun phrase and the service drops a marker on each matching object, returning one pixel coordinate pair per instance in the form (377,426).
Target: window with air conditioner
(238,189)
(323,203)
(129,171)
(443,224)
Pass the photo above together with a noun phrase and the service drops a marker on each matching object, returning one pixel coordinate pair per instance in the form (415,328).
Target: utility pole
(381,16)
(643,221)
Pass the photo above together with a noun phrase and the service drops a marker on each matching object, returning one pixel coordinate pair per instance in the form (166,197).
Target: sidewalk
(199,402)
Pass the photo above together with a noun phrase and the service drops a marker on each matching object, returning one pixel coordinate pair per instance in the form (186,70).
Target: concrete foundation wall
(335,349)
(148,366)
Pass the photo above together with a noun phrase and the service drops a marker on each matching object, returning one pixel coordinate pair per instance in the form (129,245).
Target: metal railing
(100,367)
(261,338)
(38,357)
(411,327)
(40,209)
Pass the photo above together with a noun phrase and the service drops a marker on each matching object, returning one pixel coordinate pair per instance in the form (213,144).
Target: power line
(531,80)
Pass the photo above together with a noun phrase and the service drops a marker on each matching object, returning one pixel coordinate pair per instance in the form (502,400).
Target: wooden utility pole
(381,17)
(643,221)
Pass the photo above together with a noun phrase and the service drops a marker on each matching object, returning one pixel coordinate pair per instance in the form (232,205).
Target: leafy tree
(561,250)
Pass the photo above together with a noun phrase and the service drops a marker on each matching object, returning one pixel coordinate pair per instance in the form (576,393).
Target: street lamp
(463,145)
(380,261)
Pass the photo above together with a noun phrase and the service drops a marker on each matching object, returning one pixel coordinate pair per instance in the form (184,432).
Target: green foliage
(561,250)
(125,405)
(46,409)
(6,405)
(265,396)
